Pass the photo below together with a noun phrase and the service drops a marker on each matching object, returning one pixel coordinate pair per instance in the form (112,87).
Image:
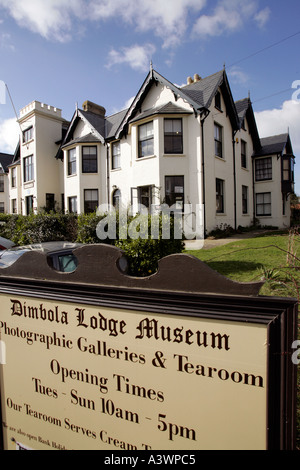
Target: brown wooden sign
(184,359)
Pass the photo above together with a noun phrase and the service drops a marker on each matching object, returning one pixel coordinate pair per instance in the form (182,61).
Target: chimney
(196,78)
(93,108)
(190,80)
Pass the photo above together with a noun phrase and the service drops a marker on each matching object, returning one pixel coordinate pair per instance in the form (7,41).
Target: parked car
(60,254)
(5,243)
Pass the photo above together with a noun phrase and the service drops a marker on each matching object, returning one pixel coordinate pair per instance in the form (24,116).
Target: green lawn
(261,258)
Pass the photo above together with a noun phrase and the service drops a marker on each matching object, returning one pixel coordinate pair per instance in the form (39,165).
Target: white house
(5,160)
(190,145)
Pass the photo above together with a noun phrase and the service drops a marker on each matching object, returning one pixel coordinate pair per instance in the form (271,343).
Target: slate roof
(169,108)
(95,120)
(5,160)
(88,138)
(273,145)
(113,122)
(204,90)
(242,108)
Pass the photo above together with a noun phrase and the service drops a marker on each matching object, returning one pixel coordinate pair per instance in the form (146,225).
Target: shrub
(143,254)
(24,230)
(86,228)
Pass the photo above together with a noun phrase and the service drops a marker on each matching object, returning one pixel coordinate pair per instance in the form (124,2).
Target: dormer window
(218,101)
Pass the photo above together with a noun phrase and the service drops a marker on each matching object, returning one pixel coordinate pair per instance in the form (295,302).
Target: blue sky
(62,52)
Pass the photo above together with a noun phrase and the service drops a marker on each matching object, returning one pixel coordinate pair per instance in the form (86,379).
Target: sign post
(96,359)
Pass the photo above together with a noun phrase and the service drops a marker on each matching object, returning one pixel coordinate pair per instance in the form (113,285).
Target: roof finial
(224,66)
(151,66)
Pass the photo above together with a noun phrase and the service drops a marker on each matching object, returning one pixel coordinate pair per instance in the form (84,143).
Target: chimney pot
(93,108)
(190,80)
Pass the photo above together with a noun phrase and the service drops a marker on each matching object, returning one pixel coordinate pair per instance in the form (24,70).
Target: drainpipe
(253,190)
(234,177)
(205,113)
(108,174)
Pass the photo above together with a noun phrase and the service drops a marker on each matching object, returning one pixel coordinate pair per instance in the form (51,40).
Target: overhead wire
(259,52)
(264,49)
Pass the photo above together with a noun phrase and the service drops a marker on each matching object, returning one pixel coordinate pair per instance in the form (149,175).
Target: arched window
(116,198)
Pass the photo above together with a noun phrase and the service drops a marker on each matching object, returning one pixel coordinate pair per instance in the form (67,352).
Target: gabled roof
(169,108)
(242,108)
(245,111)
(88,138)
(275,145)
(205,89)
(5,160)
(198,95)
(94,121)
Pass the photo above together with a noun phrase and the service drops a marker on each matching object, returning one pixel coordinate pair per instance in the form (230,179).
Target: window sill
(174,155)
(27,142)
(71,176)
(148,157)
(222,214)
(264,181)
(220,158)
(115,169)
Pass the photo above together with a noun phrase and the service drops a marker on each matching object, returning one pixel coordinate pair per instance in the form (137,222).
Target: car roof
(47,247)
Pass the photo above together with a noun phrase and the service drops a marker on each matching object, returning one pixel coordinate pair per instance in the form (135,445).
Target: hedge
(142,249)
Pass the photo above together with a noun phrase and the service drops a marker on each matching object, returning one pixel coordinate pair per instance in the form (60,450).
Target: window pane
(174,191)
(173,136)
(146,140)
(263,169)
(28,169)
(90,200)
(219,196)
(73,204)
(89,159)
(218,141)
(263,204)
(72,162)
(116,155)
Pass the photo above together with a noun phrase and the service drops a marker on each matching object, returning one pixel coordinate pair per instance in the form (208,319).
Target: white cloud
(237,76)
(262,17)
(229,16)
(5,41)
(167,19)
(137,57)
(9,134)
(54,19)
